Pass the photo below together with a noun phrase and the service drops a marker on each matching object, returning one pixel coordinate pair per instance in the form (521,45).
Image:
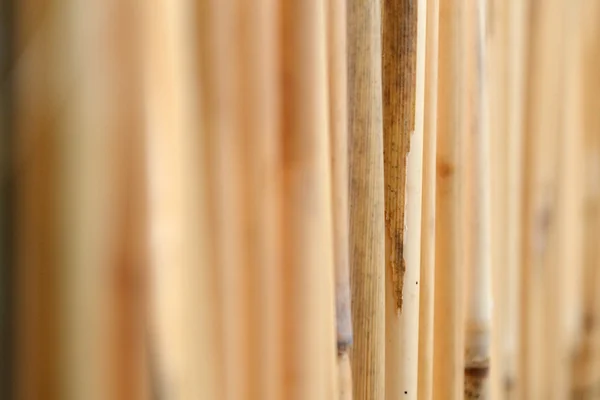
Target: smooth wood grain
(308,282)
(366,193)
(427,281)
(403,58)
(448,368)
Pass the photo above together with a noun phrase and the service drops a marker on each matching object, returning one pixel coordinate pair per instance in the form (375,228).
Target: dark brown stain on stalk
(399,64)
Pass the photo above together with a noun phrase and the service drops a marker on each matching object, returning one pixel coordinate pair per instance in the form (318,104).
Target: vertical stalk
(183,327)
(259,113)
(366,203)
(428,224)
(542,309)
(403,41)
(35,158)
(338,131)
(586,369)
(571,196)
(497,75)
(309,321)
(477,213)
(128,269)
(228,185)
(516,98)
(448,369)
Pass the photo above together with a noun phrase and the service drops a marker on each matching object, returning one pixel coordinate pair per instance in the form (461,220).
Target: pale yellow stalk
(427,281)
(477,211)
(308,282)
(541,332)
(182,320)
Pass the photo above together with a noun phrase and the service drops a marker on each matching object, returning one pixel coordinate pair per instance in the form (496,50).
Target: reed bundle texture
(303,200)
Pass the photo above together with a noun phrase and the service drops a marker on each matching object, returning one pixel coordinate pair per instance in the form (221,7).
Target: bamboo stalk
(498,80)
(427,281)
(36,264)
(183,326)
(448,368)
(571,197)
(542,309)
(128,272)
(309,321)
(586,369)
(516,65)
(338,130)
(478,214)
(259,83)
(367,229)
(229,188)
(87,187)
(403,38)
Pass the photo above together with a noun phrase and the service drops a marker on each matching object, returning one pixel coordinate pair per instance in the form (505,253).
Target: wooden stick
(427,281)
(478,211)
(403,41)
(258,38)
(366,206)
(541,332)
(448,372)
(310,359)
(338,131)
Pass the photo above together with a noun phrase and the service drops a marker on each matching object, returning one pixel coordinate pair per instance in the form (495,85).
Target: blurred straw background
(316,199)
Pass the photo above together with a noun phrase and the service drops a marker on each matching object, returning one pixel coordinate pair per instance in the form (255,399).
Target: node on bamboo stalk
(448,366)
(427,280)
(366,199)
(309,320)
(403,58)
